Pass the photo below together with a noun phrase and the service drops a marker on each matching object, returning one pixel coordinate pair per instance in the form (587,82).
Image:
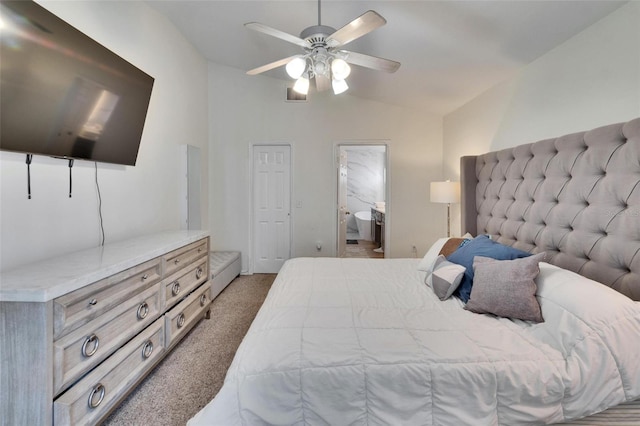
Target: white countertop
(381,209)
(45,280)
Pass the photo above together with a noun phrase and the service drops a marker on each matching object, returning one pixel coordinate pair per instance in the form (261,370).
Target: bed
(369,341)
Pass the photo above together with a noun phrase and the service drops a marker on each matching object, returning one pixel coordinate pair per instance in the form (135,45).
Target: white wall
(135,200)
(591,80)
(251,109)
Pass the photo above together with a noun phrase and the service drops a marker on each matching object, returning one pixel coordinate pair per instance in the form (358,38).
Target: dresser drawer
(182,257)
(181,318)
(184,281)
(79,351)
(97,393)
(81,306)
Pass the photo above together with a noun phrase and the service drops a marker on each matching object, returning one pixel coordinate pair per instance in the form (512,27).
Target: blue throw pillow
(481,245)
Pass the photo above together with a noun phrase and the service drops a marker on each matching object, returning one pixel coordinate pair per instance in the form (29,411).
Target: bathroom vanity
(377,226)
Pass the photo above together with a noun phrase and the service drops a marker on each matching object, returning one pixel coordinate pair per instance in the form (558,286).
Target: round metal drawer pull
(93,302)
(199,249)
(145,276)
(175,288)
(143,310)
(199,272)
(97,390)
(147,349)
(176,261)
(180,320)
(203,300)
(87,341)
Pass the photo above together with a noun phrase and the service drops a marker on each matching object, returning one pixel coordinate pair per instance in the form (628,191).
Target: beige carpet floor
(193,372)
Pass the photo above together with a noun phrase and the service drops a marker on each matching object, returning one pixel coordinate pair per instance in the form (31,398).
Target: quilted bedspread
(362,341)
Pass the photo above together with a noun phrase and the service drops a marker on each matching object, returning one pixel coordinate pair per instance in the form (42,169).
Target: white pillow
(446,277)
(426,264)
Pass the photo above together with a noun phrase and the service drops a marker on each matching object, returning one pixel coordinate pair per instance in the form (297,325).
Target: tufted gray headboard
(576,197)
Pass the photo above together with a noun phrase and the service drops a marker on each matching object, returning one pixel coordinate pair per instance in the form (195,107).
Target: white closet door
(271,207)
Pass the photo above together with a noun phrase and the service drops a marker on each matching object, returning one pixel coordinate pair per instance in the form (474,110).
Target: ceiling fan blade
(360,26)
(368,61)
(322,82)
(256,26)
(271,66)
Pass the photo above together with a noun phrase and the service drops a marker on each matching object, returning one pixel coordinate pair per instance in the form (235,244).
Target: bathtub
(363,221)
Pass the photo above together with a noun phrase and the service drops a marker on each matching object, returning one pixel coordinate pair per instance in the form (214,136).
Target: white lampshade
(340,69)
(302,86)
(445,192)
(339,86)
(296,67)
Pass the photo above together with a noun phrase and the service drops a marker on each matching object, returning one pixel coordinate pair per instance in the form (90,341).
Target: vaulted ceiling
(451,51)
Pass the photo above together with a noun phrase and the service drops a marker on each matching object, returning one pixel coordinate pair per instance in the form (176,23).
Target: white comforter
(360,341)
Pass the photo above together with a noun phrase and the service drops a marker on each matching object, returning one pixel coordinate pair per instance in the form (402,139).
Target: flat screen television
(62,94)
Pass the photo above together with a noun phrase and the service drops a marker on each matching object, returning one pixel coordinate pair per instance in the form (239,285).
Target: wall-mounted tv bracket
(29,158)
(70,180)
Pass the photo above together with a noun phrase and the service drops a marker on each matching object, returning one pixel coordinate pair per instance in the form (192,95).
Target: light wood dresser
(80,331)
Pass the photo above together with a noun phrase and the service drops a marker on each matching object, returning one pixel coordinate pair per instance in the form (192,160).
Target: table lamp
(446,192)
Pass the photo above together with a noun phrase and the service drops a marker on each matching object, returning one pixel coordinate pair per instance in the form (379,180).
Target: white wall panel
(248,110)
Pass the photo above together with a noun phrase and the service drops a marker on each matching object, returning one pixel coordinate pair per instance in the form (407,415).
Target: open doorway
(361,201)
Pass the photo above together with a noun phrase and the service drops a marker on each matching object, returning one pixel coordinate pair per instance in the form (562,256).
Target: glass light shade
(320,68)
(339,86)
(445,192)
(295,68)
(340,69)
(301,86)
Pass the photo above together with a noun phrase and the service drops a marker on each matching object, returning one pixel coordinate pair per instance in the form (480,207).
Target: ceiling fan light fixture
(301,86)
(324,59)
(320,66)
(339,86)
(296,67)
(340,69)
(320,62)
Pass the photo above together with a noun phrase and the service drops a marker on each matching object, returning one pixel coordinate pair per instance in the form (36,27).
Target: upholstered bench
(225,266)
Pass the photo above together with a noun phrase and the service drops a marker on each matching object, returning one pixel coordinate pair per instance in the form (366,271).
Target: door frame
(387,186)
(252,147)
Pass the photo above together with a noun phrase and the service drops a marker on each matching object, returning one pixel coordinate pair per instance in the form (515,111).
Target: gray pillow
(506,287)
(446,277)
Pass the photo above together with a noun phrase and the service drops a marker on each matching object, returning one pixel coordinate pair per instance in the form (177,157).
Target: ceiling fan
(323,59)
